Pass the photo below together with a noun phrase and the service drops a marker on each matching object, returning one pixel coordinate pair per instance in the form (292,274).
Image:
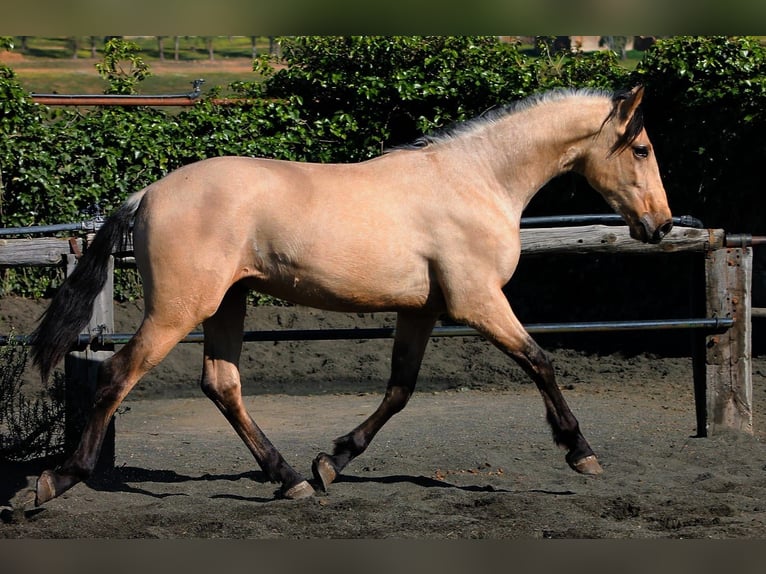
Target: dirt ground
(470,457)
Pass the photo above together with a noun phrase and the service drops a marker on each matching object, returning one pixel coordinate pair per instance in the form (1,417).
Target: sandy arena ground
(470,457)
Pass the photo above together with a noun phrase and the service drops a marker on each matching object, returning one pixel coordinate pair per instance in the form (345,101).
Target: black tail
(70,310)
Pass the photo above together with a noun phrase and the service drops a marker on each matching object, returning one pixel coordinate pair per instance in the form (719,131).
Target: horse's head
(621,165)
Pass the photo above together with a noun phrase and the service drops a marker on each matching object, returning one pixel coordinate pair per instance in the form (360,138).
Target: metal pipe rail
(89,226)
(103,340)
(744,240)
(187,99)
(598,219)
(715,324)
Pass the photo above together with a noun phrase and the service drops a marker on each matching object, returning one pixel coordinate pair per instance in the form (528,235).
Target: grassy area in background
(190,47)
(164,82)
(47,65)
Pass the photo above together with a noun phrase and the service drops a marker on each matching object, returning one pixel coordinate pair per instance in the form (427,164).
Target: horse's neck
(529,148)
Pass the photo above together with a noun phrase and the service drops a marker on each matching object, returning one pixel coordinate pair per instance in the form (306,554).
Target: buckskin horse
(423,230)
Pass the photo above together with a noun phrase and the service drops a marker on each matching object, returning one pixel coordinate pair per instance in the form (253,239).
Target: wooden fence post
(81,372)
(728,370)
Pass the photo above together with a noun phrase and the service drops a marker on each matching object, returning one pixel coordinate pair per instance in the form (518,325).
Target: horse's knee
(219,385)
(531,358)
(396,398)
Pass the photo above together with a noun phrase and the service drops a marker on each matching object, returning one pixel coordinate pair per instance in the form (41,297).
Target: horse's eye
(641,151)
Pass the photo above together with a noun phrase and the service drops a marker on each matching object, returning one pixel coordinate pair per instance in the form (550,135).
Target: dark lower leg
(79,466)
(564,425)
(347,447)
(412,334)
(274,466)
(269,459)
(351,445)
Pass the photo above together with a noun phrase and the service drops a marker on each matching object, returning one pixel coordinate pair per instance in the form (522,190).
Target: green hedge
(347,99)
(707,115)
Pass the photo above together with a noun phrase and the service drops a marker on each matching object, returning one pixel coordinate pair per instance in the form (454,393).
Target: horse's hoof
(46,487)
(51,484)
(324,471)
(587,465)
(301,490)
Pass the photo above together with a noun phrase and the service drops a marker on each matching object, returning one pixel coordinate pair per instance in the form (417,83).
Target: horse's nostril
(663,230)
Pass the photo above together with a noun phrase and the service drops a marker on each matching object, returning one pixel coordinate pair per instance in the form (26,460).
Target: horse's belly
(347,289)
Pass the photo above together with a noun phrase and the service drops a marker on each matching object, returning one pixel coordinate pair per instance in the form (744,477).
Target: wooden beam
(39,251)
(615,239)
(728,370)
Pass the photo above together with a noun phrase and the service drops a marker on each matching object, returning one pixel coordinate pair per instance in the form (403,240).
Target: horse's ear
(629,104)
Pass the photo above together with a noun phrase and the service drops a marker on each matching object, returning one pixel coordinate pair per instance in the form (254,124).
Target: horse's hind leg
(221,383)
(116,377)
(412,334)
(497,322)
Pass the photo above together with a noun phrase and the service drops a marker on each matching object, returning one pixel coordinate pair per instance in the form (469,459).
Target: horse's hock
(722,376)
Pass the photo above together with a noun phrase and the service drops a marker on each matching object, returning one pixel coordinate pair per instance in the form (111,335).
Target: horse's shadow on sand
(129,479)
(136,480)
(124,479)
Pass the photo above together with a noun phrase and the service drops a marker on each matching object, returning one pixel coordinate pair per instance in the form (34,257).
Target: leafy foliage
(31,424)
(356,96)
(122,66)
(707,69)
(400,87)
(707,96)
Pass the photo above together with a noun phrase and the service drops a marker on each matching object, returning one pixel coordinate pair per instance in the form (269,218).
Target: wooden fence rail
(536,241)
(722,374)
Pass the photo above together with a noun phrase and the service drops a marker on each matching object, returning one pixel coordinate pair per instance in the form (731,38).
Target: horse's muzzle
(652,233)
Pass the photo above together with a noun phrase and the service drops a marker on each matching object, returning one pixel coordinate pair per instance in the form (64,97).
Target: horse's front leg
(495,319)
(412,334)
